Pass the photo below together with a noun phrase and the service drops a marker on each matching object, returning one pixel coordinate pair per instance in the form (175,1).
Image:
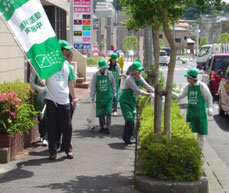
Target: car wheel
(221,111)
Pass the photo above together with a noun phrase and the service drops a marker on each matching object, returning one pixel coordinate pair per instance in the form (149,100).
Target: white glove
(210,111)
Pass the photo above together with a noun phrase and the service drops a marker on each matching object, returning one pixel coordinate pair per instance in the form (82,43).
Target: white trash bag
(91,118)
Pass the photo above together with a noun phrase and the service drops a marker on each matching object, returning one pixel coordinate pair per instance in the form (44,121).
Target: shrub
(93,61)
(21,88)
(175,159)
(16,112)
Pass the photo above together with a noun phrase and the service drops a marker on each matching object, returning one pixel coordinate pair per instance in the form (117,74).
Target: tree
(224,38)
(203,42)
(165,12)
(130,43)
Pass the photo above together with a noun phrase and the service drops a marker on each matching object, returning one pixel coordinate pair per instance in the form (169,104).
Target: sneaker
(115,114)
(44,142)
(41,139)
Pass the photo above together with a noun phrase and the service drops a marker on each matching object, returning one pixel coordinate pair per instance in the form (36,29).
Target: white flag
(29,22)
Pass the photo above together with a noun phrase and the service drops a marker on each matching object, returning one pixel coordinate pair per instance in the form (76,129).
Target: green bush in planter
(175,159)
(93,61)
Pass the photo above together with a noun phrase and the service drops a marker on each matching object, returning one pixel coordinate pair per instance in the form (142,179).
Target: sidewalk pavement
(102,163)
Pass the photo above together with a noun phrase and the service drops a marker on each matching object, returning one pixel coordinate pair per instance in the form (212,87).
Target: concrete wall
(12,66)
(80,63)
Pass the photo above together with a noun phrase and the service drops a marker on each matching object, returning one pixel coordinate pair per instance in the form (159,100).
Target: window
(177,40)
(203,51)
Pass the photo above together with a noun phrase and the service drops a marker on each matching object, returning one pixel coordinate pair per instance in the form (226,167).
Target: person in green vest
(103,90)
(128,98)
(199,98)
(115,69)
(39,88)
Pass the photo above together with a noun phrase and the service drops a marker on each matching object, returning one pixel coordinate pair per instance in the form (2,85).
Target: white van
(206,52)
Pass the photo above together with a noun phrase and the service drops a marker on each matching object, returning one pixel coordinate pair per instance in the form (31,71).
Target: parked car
(215,65)
(224,93)
(163,58)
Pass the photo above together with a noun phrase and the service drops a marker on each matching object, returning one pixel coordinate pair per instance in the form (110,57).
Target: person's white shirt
(57,86)
(203,89)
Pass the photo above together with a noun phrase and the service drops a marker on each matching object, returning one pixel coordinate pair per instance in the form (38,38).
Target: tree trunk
(156,48)
(171,68)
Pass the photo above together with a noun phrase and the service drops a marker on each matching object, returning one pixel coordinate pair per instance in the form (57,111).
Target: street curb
(147,184)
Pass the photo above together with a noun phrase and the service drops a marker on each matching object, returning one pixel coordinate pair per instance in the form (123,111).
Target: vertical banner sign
(82,22)
(31,26)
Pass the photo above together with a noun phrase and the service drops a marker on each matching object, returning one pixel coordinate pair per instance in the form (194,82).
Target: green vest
(39,97)
(128,101)
(196,113)
(104,96)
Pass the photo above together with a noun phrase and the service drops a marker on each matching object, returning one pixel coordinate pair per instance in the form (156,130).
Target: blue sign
(86,33)
(82,46)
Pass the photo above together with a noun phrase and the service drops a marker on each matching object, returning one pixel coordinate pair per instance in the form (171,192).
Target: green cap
(137,65)
(102,64)
(64,44)
(192,73)
(114,56)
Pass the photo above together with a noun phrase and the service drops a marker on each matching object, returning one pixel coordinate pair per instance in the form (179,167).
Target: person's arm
(113,83)
(34,86)
(93,87)
(206,94)
(130,83)
(182,94)
(146,85)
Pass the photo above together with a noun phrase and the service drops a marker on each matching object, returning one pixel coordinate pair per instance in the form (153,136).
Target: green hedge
(21,88)
(175,159)
(93,61)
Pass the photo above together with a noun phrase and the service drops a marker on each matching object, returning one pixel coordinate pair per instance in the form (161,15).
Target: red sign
(82,2)
(86,22)
(82,9)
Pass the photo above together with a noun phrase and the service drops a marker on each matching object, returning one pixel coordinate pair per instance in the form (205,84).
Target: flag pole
(23,52)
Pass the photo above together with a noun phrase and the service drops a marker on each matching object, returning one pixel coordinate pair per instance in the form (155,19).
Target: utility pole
(197,38)
(148,42)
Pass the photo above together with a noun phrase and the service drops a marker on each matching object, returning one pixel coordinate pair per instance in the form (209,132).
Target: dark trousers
(128,130)
(59,120)
(105,119)
(115,105)
(42,126)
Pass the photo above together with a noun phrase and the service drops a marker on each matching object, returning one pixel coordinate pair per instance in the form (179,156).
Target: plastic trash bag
(91,118)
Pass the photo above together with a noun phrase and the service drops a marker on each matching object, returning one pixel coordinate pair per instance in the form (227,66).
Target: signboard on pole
(82,22)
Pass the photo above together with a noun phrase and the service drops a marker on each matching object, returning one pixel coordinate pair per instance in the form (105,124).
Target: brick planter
(18,142)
